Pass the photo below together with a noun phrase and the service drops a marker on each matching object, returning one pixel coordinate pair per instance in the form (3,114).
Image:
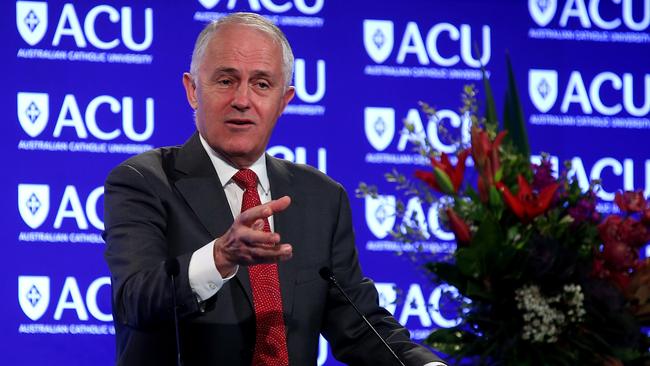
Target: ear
(190,90)
(288,95)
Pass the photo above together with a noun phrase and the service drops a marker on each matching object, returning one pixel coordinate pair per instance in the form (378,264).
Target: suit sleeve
(351,340)
(135,220)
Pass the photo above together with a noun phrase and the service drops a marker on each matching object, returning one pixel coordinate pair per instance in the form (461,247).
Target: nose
(241,98)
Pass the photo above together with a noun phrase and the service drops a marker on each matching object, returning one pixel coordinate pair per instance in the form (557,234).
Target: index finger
(253,214)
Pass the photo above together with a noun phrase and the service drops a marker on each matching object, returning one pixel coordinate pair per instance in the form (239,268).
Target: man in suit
(249,232)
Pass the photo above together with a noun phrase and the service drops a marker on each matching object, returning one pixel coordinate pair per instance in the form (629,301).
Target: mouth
(239,122)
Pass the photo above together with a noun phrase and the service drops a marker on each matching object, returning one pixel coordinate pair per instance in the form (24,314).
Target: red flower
(608,229)
(633,232)
(486,156)
(445,173)
(628,230)
(459,227)
(630,201)
(618,255)
(527,205)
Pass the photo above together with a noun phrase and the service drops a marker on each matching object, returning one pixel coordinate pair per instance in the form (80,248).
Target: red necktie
(270,338)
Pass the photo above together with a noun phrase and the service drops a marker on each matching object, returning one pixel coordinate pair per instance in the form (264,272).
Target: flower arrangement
(543,279)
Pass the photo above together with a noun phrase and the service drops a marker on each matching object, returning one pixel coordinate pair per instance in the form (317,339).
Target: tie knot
(246,178)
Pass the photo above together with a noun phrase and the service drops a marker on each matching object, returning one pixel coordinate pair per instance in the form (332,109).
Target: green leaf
(495,197)
(490,106)
(443,180)
(450,341)
(488,237)
(450,274)
(475,290)
(469,262)
(513,116)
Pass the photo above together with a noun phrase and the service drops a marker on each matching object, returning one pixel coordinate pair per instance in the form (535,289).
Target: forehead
(240,45)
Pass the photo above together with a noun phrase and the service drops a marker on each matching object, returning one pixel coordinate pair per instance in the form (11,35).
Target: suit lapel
(201,188)
(280,181)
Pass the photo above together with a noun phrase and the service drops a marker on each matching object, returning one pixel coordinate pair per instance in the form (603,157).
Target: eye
(263,85)
(224,82)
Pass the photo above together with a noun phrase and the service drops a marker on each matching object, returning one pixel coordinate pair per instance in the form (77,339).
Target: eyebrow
(233,71)
(261,74)
(225,70)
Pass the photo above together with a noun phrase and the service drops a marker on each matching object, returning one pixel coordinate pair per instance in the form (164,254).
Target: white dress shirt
(205,279)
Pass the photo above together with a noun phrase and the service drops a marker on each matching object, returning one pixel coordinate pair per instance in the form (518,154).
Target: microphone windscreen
(172,267)
(326,273)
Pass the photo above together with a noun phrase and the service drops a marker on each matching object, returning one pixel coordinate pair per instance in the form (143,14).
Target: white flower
(545,318)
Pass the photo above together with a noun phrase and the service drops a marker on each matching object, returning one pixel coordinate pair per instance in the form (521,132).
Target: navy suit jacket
(169,202)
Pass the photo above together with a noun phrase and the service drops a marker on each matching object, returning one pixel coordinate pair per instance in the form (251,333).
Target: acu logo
(379,126)
(274,6)
(588,95)
(588,13)
(381,218)
(34,298)
(379,39)
(32,23)
(427,311)
(33,114)
(34,206)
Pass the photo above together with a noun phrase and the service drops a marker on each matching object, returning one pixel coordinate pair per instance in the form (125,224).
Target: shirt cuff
(205,279)
(436,363)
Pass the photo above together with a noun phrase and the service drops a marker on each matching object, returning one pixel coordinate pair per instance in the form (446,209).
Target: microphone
(173,268)
(328,276)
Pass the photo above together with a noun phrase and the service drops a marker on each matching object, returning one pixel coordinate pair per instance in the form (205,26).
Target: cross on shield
(380,215)
(542,88)
(34,295)
(379,125)
(33,112)
(33,203)
(542,11)
(31,20)
(378,39)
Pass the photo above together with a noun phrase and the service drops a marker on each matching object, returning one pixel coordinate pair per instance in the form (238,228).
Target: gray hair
(248,19)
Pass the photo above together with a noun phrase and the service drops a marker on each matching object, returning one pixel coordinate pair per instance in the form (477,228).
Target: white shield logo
(542,11)
(34,295)
(378,39)
(209,4)
(542,88)
(379,124)
(34,203)
(387,296)
(33,112)
(380,215)
(31,20)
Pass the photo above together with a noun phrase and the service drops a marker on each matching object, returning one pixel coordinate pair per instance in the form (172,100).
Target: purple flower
(585,210)
(542,175)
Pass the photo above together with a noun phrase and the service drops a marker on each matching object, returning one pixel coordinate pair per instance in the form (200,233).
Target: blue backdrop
(89,83)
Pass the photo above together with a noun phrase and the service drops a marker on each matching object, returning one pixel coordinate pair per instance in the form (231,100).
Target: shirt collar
(225,170)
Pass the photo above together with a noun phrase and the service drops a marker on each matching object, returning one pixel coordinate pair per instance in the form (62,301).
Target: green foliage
(513,116)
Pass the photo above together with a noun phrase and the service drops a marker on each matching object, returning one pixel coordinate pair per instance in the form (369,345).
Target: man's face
(238,92)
